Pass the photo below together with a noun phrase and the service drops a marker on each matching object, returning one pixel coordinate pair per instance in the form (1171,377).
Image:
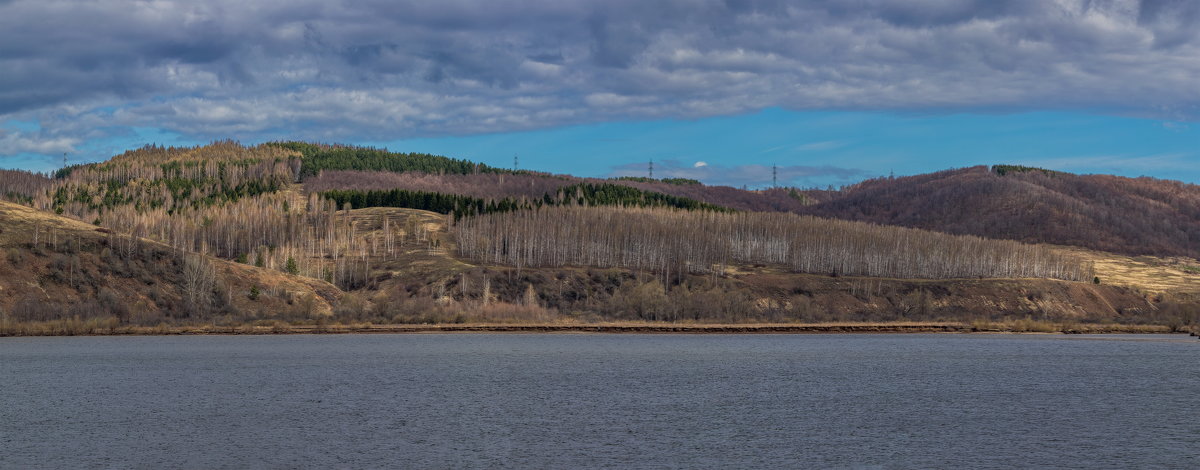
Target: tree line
(643,179)
(583,194)
(674,243)
(535,185)
(427,201)
(22,186)
(320,157)
(1014,169)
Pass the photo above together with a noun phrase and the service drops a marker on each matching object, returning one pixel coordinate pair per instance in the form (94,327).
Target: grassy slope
(1151,274)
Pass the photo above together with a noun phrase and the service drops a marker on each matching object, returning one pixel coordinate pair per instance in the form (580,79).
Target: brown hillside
(426,281)
(75,270)
(53,268)
(1135,216)
(1132,216)
(760,294)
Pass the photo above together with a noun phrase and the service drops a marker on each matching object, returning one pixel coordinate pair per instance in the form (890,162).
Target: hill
(1133,216)
(342,167)
(57,272)
(283,234)
(436,281)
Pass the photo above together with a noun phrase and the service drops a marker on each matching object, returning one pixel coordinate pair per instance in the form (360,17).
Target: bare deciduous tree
(199,277)
(673,243)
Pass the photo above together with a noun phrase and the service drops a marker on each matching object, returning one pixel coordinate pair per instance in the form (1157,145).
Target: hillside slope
(168,235)
(1135,216)
(428,282)
(55,268)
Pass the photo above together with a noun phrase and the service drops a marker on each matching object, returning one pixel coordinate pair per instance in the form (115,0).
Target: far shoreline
(68,329)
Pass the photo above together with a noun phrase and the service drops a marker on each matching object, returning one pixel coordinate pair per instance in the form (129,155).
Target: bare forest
(23,186)
(675,243)
(223,200)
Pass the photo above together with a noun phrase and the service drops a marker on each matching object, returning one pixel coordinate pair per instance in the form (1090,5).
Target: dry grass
(1147,273)
(19,223)
(65,327)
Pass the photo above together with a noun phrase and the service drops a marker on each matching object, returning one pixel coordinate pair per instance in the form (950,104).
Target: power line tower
(64,159)
(774,175)
(651,168)
(516,162)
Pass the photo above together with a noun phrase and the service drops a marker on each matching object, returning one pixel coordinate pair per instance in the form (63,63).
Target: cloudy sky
(830,91)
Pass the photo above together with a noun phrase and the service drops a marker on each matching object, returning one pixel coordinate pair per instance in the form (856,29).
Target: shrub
(61,269)
(354,308)
(112,304)
(16,257)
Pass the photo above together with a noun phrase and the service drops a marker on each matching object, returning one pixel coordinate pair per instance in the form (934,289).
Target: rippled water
(618,401)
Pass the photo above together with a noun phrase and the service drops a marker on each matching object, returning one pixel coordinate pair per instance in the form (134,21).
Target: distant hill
(1137,216)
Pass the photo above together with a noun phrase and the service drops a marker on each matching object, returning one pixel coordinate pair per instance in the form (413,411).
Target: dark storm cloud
(384,69)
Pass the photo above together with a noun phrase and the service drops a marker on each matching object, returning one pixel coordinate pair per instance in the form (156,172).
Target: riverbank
(101,328)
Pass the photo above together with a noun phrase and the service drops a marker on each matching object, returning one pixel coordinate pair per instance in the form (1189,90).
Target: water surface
(616,401)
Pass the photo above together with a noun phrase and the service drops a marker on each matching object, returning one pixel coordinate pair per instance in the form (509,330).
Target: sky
(827,92)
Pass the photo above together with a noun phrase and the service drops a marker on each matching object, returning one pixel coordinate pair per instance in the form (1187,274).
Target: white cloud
(1125,164)
(256,69)
(18,142)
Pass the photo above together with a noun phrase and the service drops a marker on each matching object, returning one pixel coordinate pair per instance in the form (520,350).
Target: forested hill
(1123,215)
(321,157)
(292,232)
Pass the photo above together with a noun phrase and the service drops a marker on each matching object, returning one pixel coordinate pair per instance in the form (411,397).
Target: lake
(600,401)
